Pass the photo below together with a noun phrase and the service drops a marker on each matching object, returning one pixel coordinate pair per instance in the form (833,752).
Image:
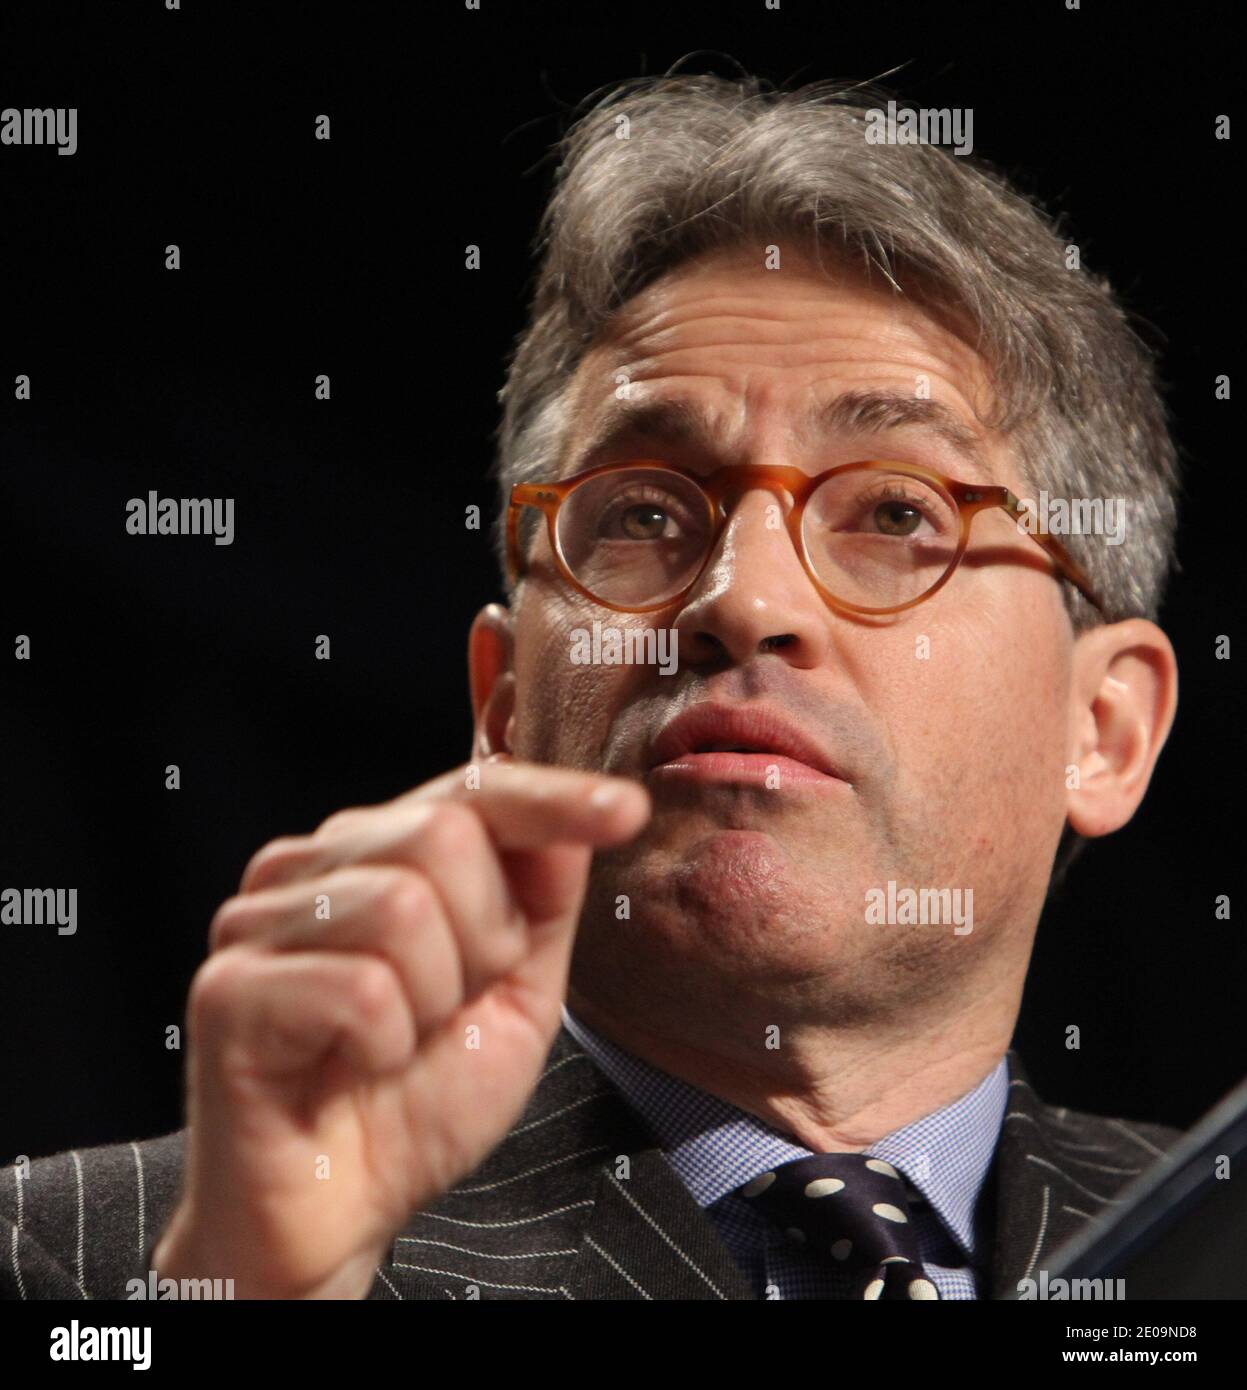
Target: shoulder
(1087,1158)
(1057,1171)
(80,1223)
(1141,1141)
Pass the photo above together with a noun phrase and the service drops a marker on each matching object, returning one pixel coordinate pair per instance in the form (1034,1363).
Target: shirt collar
(715,1147)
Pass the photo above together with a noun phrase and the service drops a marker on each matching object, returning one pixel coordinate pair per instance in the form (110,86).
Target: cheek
(978,733)
(563,710)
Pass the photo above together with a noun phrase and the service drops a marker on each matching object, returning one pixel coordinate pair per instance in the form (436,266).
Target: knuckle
(402,898)
(371,989)
(269,862)
(452,833)
(214,987)
(227,925)
(340,823)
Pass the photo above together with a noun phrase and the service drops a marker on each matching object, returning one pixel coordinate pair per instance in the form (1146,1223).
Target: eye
(897,518)
(642,514)
(643,522)
(899,509)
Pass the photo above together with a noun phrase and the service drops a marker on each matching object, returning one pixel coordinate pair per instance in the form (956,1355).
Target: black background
(347,257)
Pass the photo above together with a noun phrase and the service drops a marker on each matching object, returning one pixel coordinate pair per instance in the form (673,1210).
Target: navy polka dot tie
(851,1209)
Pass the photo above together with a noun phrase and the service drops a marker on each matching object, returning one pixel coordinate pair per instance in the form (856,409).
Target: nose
(754,595)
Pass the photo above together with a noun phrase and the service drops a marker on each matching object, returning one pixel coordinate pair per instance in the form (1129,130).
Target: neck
(833,1088)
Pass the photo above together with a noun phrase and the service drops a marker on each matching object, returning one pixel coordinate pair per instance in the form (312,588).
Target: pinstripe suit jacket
(554,1212)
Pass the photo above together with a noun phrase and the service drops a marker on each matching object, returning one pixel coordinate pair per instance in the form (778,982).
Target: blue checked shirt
(716,1148)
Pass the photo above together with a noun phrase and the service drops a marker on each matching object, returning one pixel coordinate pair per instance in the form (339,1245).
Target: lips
(723,739)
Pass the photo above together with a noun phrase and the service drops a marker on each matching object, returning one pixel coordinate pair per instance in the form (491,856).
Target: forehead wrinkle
(688,422)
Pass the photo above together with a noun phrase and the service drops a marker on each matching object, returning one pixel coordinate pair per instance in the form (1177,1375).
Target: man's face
(949,723)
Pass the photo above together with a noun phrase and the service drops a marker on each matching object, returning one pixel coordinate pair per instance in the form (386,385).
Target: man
(798,403)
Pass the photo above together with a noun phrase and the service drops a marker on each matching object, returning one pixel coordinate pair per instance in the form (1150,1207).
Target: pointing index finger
(529,805)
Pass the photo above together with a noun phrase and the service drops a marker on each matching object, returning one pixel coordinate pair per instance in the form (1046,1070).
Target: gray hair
(712,163)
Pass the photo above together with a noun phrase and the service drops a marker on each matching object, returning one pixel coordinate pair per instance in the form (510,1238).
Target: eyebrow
(672,420)
(871,412)
(678,420)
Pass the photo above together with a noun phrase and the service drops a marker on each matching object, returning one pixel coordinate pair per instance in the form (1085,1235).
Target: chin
(747,864)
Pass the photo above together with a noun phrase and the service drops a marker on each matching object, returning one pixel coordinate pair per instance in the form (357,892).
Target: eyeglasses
(874,537)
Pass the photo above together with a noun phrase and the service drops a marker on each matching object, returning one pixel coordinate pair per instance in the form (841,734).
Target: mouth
(749,745)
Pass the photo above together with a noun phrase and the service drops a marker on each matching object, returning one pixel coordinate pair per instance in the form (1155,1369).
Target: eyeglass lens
(875,538)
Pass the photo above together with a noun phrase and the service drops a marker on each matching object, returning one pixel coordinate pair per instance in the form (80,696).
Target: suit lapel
(648,1239)
(1050,1181)
(577,1202)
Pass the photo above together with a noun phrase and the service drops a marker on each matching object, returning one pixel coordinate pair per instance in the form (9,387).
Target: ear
(491,681)
(1125,692)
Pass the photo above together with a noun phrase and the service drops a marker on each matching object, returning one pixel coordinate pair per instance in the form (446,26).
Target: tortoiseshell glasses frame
(734,480)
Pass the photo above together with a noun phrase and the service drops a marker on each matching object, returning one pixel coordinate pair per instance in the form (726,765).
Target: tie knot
(853,1208)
